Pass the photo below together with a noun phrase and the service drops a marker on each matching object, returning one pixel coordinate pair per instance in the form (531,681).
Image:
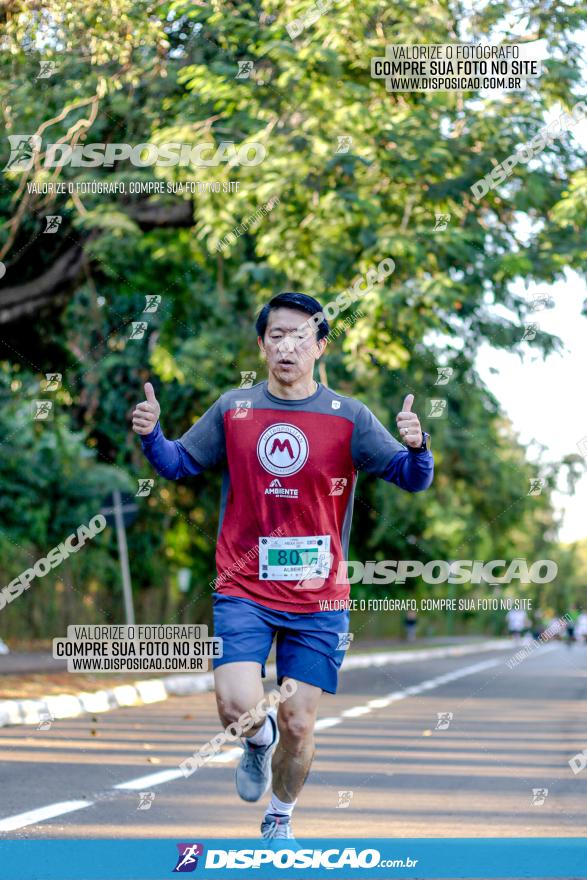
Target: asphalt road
(513,730)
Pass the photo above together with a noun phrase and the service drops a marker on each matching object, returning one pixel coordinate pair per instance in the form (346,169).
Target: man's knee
(233,709)
(296,726)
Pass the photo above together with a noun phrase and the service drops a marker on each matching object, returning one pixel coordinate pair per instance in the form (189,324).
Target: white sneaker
(277,828)
(253,773)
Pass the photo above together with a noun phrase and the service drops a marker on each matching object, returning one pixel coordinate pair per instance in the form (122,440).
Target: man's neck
(299,390)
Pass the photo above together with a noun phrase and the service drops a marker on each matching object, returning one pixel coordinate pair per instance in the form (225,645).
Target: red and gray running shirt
(290,468)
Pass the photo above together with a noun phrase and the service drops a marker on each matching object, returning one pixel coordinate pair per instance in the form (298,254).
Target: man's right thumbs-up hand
(146,414)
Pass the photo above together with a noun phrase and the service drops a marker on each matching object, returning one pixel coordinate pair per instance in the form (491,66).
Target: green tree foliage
(148,72)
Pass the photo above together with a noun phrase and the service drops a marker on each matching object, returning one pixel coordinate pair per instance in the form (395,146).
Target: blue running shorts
(306,647)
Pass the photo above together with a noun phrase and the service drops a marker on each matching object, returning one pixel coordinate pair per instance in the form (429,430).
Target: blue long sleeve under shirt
(411,471)
(169,457)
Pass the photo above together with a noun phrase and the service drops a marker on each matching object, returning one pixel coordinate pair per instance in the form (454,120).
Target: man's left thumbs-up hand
(408,424)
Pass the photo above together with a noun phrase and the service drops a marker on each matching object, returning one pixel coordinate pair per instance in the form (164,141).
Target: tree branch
(154,215)
(55,284)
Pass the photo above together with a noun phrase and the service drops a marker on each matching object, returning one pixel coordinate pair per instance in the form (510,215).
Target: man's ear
(261,348)
(321,345)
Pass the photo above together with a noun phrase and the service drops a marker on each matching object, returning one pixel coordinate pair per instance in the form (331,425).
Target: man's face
(290,345)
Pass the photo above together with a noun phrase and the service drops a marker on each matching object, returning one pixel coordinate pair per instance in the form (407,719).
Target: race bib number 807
(294,559)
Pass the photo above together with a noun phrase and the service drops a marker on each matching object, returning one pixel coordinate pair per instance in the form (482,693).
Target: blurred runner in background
(581,627)
(410,623)
(571,623)
(518,622)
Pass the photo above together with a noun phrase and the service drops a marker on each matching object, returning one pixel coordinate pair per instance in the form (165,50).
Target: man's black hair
(292,300)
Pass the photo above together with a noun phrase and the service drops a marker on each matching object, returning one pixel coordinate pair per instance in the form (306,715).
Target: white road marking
(33,816)
(226,757)
(323,723)
(152,779)
(355,711)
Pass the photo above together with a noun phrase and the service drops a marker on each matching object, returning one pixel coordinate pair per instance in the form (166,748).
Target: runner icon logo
(344,799)
(188,857)
(444,719)
(337,485)
(282,450)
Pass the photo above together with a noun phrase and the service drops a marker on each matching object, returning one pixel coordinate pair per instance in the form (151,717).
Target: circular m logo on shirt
(282,450)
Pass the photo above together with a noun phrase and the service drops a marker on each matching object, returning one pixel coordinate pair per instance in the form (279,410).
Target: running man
(290,450)
(518,623)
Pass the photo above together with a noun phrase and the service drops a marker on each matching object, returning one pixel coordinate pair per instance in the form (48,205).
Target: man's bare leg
(239,690)
(291,763)
(239,687)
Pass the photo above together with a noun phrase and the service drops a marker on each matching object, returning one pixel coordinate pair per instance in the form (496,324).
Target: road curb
(15,712)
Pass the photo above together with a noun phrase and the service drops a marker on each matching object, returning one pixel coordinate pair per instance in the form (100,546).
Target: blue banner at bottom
(223,858)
